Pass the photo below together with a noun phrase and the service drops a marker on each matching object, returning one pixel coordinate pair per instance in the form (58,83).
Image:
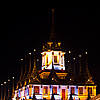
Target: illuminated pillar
(8,89)
(63,62)
(12,86)
(30,90)
(1,92)
(4,90)
(59,58)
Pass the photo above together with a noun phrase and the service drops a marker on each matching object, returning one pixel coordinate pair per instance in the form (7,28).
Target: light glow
(4,82)
(12,77)
(29,53)
(1,84)
(34,49)
(86,53)
(73,58)
(69,51)
(21,59)
(80,56)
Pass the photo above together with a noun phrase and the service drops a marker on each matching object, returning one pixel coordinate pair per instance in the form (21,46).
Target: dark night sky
(77,28)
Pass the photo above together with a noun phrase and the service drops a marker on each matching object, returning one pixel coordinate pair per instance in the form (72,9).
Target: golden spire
(4,90)
(8,89)
(1,91)
(25,64)
(80,70)
(34,78)
(12,86)
(52,31)
(74,65)
(34,58)
(29,61)
(52,36)
(87,75)
(21,67)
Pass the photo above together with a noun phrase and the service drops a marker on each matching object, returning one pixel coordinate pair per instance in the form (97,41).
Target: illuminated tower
(52,52)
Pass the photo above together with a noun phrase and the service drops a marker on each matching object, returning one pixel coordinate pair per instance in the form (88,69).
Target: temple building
(54,80)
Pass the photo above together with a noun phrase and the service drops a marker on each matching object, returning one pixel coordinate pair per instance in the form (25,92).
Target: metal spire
(8,89)
(21,67)
(29,61)
(1,91)
(25,64)
(34,58)
(88,76)
(52,31)
(80,70)
(4,90)
(12,86)
(74,66)
(52,36)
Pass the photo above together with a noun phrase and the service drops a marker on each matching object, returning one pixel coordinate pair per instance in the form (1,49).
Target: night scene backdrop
(77,28)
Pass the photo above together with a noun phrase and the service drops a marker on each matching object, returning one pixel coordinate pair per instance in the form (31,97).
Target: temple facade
(54,80)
